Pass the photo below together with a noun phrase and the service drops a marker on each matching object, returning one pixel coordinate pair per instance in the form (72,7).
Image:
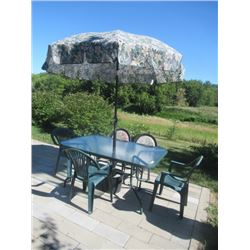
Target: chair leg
(66,180)
(91,191)
(57,161)
(72,186)
(123,170)
(142,171)
(139,188)
(84,186)
(110,187)
(182,204)
(161,189)
(131,175)
(185,194)
(153,196)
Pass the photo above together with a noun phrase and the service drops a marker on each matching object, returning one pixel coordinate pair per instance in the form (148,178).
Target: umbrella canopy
(115,56)
(93,56)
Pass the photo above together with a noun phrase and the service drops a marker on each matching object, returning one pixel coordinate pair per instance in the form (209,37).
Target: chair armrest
(103,162)
(174,176)
(105,167)
(163,174)
(175,163)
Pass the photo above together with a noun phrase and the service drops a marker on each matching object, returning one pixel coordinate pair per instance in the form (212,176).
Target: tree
(194,91)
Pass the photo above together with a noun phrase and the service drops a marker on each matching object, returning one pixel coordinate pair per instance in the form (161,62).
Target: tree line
(139,98)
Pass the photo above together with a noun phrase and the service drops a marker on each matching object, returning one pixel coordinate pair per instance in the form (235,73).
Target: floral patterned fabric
(93,56)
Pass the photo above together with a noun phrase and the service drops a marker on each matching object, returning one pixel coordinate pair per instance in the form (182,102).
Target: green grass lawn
(40,135)
(195,114)
(189,132)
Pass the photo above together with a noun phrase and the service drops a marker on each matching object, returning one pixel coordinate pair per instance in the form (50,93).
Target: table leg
(69,172)
(135,190)
(139,178)
(138,198)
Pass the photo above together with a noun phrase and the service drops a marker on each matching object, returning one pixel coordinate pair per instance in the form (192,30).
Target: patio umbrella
(115,57)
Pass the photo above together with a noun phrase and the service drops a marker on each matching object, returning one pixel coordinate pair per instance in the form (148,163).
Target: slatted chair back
(193,164)
(84,165)
(122,134)
(146,139)
(60,134)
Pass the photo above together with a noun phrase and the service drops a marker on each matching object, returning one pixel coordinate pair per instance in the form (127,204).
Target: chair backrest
(194,164)
(60,134)
(122,134)
(146,139)
(84,165)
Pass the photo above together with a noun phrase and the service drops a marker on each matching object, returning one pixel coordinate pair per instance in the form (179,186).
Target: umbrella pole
(115,114)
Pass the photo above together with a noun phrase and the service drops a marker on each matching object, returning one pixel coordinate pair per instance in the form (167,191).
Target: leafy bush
(145,103)
(210,161)
(46,108)
(87,114)
(52,82)
(199,93)
(213,215)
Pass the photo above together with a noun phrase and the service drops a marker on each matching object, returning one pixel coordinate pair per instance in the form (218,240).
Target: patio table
(130,153)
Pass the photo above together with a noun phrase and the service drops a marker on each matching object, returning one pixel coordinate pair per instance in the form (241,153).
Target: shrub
(46,108)
(87,114)
(52,82)
(146,103)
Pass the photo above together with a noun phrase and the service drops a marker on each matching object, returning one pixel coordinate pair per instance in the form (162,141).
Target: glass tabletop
(125,152)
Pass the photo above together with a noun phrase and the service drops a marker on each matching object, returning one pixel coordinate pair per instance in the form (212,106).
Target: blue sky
(189,27)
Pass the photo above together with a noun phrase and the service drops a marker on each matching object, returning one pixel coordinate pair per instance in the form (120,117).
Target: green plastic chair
(178,183)
(58,135)
(89,172)
(122,135)
(147,140)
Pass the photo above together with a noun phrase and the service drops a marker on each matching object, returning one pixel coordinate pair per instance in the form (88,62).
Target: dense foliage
(87,114)
(46,108)
(139,98)
(57,101)
(210,162)
(52,92)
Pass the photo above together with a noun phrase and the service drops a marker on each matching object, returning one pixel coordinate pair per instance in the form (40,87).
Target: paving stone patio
(58,223)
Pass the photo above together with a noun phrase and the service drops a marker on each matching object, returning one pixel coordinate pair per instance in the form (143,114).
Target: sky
(189,27)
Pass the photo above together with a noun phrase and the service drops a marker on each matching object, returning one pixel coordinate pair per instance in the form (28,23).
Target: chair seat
(95,175)
(171,181)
